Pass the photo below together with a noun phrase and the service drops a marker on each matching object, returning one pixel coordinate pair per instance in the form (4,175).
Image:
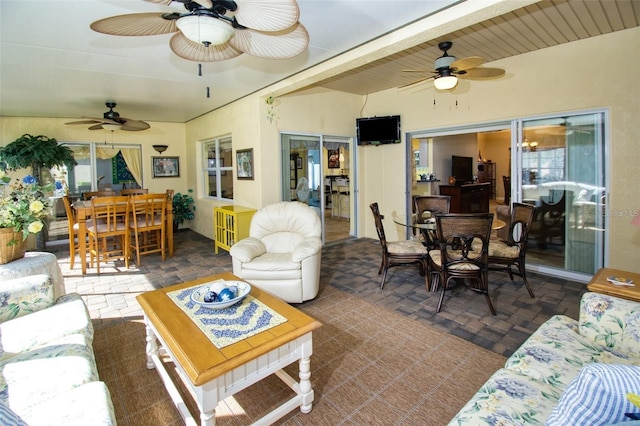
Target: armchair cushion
(248,249)
(307,248)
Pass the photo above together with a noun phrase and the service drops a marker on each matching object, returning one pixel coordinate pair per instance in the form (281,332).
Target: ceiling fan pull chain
(200,70)
(208,92)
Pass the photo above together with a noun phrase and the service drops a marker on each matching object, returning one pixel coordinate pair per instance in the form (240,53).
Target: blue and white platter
(220,294)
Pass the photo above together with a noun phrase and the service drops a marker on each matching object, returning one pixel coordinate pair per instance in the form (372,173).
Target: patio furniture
(283,251)
(396,253)
(503,255)
(464,247)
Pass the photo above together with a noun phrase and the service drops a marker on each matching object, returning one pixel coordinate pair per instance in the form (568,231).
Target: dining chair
(91,194)
(342,189)
(512,252)
(134,191)
(463,253)
(109,230)
(396,253)
(72,230)
(426,207)
(147,225)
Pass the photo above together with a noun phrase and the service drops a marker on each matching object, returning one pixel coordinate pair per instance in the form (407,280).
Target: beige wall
(568,77)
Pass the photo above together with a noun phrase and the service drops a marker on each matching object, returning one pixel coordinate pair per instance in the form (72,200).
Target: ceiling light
(205,29)
(111,127)
(160,148)
(445,82)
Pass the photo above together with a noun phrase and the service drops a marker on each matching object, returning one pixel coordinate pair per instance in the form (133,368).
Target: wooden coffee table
(599,284)
(211,374)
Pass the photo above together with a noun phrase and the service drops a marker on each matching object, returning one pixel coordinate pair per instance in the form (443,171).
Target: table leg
(152,346)
(82,242)
(169,228)
(306,393)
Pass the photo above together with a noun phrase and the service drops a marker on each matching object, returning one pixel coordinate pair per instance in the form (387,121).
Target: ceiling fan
(447,70)
(111,120)
(216,30)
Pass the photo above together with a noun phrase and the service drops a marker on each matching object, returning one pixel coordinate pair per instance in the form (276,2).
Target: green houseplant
(38,152)
(183,208)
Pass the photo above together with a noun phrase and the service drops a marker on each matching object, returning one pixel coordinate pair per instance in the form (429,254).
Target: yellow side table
(231,224)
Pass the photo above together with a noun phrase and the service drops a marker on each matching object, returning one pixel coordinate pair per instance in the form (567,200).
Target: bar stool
(342,186)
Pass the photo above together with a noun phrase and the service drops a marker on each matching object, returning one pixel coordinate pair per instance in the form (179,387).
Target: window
(218,168)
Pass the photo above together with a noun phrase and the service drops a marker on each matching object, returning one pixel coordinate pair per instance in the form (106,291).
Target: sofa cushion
(41,373)
(597,396)
(509,398)
(68,316)
(611,322)
(555,353)
(22,296)
(89,404)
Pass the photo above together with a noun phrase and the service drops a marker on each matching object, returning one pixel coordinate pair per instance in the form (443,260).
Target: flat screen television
(462,169)
(378,130)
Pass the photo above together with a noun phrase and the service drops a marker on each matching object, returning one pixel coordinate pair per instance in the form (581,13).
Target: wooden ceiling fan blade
(192,51)
(264,15)
(134,125)
(482,74)
(164,2)
(135,24)
(467,63)
(272,45)
(416,82)
(82,122)
(96,127)
(423,71)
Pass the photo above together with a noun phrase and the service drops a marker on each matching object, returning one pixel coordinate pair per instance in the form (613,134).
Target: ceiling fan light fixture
(206,30)
(445,82)
(111,127)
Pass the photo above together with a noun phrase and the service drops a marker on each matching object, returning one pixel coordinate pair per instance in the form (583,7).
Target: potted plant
(38,152)
(23,211)
(183,208)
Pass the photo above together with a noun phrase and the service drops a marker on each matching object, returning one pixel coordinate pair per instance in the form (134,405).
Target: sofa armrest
(611,322)
(307,248)
(22,296)
(247,249)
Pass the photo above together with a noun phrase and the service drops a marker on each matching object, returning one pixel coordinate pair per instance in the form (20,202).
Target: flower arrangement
(23,206)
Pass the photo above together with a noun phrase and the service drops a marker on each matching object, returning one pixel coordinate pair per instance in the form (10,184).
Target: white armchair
(282,253)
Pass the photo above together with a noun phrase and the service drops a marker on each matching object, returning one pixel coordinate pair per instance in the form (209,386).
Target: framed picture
(244,160)
(334,158)
(166,166)
(299,162)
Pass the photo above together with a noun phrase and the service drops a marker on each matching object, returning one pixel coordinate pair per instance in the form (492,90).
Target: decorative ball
(210,296)
(217,287)
(226,295)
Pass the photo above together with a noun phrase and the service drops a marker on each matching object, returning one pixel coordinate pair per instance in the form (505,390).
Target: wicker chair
(512,252)
(464,246)
(399,252)
(431,204)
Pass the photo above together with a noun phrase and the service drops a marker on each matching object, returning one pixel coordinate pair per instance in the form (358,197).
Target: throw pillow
(597,396)
(8,417)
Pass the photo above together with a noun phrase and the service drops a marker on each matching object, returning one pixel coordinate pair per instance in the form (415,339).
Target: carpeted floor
(370,366)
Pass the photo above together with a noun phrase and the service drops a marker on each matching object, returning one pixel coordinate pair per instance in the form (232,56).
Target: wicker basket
(9,253)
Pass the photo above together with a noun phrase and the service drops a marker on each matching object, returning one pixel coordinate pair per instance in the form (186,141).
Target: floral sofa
(48,373)
(548,379)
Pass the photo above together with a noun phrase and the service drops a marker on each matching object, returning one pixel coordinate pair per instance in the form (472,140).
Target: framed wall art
(166,166)
(334,158)
(244,160)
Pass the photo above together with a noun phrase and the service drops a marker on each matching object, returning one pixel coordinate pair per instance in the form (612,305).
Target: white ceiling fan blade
(192,51)
(135,24)
(272,45)
(467,63)
(267,15)
(482,74)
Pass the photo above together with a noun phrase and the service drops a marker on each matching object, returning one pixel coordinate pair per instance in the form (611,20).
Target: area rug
(370,366)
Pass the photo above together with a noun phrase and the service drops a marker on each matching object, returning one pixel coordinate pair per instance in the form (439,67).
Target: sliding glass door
(560,168)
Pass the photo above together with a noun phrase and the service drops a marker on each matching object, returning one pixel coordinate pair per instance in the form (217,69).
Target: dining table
(83,212)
